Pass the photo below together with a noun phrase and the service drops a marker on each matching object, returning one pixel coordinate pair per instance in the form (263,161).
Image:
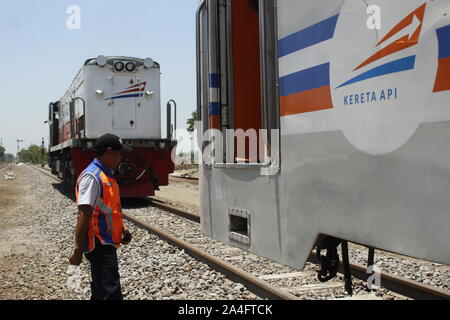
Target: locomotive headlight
(119,66)
(149,94)
(99,94)
(162,145)
(130,66)
(102,61)
(148,62)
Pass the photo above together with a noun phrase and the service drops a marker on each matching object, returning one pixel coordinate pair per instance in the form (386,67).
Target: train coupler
(329,264)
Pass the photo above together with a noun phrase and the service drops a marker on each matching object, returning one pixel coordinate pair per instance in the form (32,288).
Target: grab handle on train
(171,129)
(80,126)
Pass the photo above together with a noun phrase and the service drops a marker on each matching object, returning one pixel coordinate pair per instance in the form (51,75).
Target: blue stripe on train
(214,80)
(444,42)
(388,68)
(317,33)
(304,80)
(127,96)
(214,109)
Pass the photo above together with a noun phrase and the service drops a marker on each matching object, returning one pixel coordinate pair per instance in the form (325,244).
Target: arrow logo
(136,88)
(133,91)
(407,32)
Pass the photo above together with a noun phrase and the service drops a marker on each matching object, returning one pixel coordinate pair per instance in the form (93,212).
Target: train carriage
(350,104)
(121,96)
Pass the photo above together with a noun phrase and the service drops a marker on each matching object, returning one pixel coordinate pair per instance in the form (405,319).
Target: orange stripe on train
(306,101)
(443,76)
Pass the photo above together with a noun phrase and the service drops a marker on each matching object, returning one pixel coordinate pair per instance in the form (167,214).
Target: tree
(191,127)
(191,122)
(2,153)
(33,154)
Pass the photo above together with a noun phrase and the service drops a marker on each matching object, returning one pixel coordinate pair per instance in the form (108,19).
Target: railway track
(174,178)
(152,201)
(398,285)
(177,178)
(255,285)
(172,209)
(259,285)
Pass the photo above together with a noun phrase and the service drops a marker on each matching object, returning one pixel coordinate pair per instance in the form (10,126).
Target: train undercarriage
(141,172)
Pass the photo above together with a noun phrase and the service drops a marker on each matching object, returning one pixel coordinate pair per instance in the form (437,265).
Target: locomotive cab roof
(111,59)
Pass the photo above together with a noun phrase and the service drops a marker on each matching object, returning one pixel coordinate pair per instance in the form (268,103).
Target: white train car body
(121,96)
(360,94)
(119,102)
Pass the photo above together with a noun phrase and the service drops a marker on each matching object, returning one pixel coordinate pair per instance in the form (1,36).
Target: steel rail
(408,288)
(259,287)
(41,170)
(184,179)
(182,213)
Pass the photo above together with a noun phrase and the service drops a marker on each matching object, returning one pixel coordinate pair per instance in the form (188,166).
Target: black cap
(111,141)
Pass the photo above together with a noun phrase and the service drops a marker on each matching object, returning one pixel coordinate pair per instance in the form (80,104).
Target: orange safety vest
(106,222)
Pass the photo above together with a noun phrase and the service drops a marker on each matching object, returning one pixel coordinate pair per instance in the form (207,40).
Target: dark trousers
(105,283)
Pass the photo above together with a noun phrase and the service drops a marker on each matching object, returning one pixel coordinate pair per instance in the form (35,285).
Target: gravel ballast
(38,239)
(149,267)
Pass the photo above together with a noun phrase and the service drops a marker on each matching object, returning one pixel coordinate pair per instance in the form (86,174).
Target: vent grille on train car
(239,225)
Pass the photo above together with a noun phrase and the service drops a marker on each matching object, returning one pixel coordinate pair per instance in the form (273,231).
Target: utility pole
(18,148)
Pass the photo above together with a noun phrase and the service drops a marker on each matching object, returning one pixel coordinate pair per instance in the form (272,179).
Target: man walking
(100,229)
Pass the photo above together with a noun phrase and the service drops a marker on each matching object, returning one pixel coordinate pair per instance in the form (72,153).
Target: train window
(245,64)
(238,66)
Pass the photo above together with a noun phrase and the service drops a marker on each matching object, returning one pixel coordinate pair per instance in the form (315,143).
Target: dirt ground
(181,194)
(17,235)
(15,228)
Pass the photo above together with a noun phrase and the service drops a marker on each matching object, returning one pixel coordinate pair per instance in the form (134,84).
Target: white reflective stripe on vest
(108,213)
